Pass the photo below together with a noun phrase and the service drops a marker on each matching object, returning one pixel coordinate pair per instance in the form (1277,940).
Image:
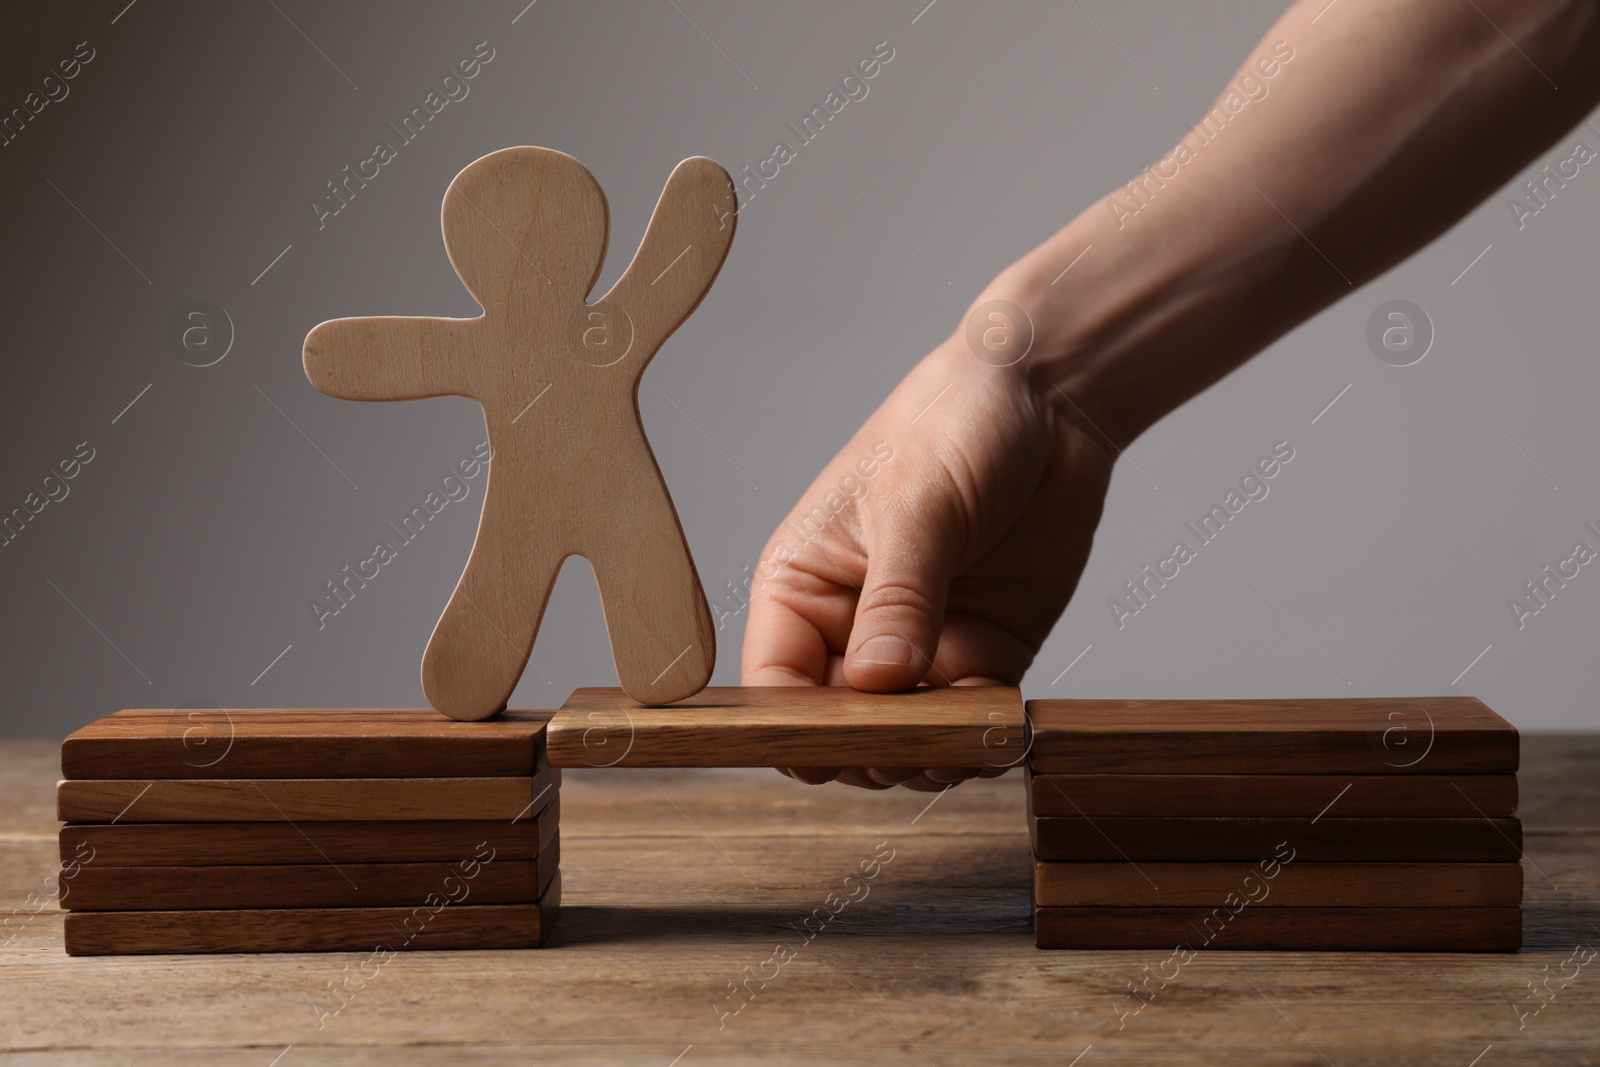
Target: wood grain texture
(1328,840)
(654,923)
(1282,795)
(801,726)
(1295,885)
(250,844)
(558,379)
(351,885)
(448,926)
(1282,929)
(304,799)
(1398,735)
(304,743)
(1560,781)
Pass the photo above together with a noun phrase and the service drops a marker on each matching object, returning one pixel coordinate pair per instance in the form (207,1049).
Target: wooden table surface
(676,881)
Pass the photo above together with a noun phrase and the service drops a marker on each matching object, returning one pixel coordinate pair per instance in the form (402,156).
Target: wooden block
(1285,795)
(1294,885)
(453,926)
(1282,929)
(800,726)
(304,743)
(1400,735)
(289,715)
(261,843)
(303,799)
(351,885)
(1327,840)
(526,230)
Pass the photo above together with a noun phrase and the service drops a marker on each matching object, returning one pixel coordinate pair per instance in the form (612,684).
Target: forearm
(1378,127)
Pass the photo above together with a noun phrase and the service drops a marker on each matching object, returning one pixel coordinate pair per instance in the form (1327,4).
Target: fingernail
(885,650)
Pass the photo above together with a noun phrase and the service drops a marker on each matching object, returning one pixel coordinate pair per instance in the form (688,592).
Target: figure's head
(526,220)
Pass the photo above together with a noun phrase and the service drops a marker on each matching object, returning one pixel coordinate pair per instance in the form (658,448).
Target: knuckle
(896,599)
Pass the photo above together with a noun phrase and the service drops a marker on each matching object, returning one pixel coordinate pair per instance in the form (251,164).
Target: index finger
(798,623)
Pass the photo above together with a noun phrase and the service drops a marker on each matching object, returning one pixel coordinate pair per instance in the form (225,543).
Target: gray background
(185,554)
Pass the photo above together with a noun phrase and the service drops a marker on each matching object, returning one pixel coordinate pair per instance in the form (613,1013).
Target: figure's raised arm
(383,358)
(682,251)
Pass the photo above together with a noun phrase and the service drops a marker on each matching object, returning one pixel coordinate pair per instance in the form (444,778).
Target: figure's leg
(481,645)
(655,608)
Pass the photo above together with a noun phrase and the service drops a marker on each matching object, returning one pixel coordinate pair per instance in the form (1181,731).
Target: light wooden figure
(558,379)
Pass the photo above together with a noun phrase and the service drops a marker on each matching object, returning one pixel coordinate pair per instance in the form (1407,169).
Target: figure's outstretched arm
(682,251)
(378,358)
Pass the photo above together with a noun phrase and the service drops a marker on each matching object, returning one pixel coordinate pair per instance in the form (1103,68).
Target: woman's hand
(938,547)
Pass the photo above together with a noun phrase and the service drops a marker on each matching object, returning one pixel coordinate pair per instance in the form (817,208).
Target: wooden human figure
(558,380)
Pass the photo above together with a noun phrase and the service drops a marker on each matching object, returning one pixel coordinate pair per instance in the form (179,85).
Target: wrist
(1131,319)
(1102,304)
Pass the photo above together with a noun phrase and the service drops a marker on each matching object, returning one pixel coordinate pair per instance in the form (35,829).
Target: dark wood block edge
(1281,929)
(382,931)
(1368,735)
(1272,885)
(1274,795)
(304,743)
(1328,840)
(351,885)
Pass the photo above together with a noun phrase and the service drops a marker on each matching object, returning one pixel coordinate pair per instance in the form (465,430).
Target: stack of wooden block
(1382,825)
(307,830)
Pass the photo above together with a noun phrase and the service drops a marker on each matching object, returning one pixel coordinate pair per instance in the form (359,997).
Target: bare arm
(1382,124)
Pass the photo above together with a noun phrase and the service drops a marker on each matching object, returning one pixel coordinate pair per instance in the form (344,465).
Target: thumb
(901,609)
